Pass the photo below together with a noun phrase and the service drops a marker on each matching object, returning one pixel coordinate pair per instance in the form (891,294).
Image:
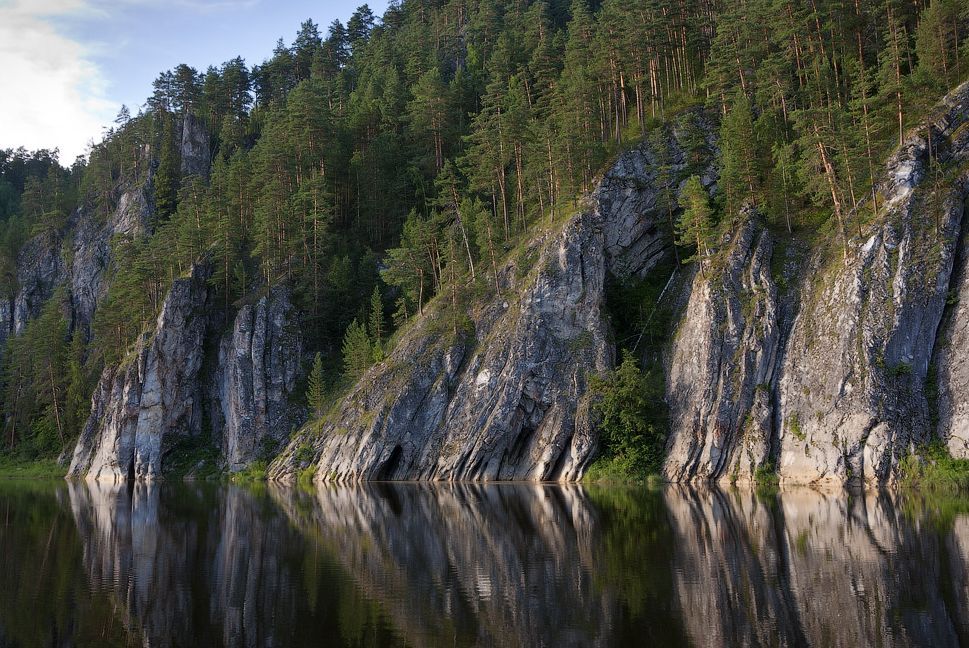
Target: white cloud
(53,94)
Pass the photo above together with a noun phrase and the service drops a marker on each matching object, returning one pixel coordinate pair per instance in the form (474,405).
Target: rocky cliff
(832,387)
(722,363)
(194,148)
(505,395)
(91,247)
(40,269)
(152,397)
(852,395)
(254,378)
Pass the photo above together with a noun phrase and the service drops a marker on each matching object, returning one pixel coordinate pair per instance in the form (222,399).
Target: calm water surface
(508,565)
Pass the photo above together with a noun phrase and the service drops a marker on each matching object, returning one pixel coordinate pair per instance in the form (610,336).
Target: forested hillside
(371,166)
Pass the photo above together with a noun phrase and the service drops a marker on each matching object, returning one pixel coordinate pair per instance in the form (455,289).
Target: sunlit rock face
(805,568)
(152,397)
(194,147)
(722,363)
(853,395)
(830,381)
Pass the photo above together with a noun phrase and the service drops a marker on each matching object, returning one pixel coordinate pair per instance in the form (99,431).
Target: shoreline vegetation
(934,473)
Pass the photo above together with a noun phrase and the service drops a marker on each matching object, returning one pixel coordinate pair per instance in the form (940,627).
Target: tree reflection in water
(463,565)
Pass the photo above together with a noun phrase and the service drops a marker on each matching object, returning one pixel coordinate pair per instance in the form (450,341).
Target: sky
(69,65)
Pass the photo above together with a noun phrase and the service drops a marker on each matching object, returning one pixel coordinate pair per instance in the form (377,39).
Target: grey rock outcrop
(505,397)
(40,269)
(952,376)
(722,362)
(952,370)
(513,407)
(257,370)
(92,248)
(630,191)
(828,382)
(194,147)
(152,397)
(852,396)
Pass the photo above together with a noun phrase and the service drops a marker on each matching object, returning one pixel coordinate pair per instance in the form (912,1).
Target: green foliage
(739,172)
(420,149)
(36,384)
(794,425)
(632,438)
(255,473)
(167,178)
(376,324)
(316,388)
(931,468)
(194,457)
(15,468)
(695,227)
(357,350)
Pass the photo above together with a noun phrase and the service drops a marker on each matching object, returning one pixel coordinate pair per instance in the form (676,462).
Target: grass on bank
(14,468)
(933,469)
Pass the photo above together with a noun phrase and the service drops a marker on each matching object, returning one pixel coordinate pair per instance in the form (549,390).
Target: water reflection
(458,565)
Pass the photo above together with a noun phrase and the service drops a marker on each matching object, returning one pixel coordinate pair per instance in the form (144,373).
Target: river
(472,565)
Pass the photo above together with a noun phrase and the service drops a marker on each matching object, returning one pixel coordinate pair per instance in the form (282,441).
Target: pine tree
(357,350)
(316,388)
(695,227)
(375,325)
(77,403)
(167,180)
(738,155)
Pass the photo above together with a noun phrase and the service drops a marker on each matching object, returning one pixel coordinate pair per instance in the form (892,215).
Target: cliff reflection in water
(509,565)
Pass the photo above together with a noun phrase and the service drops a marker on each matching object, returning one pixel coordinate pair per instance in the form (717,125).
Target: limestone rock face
(511,406)
(153,396)
(194,148)
(92,248)
(828,382)
(504,396)
(259,363)
(631,189)
(722,363)
(40,269)
(852,395)
(953,347)
(952,375)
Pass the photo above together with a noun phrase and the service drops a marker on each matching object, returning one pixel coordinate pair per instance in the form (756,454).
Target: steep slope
(91,248)
(832,386)
(254,377)
(505,397)
(722,362)
(152,397)
(853,388)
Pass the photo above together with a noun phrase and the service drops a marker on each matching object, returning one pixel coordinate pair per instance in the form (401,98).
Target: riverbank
(11,468)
